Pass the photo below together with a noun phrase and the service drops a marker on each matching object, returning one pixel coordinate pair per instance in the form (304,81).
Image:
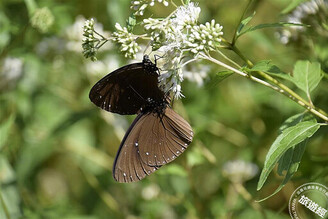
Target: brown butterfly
(157,136)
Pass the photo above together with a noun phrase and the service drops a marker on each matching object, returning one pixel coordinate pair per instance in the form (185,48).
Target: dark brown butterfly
(157,135)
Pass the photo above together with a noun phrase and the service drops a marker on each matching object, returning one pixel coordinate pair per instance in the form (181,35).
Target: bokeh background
(57,148)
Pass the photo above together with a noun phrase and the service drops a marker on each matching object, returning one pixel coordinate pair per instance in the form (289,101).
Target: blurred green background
(57,148)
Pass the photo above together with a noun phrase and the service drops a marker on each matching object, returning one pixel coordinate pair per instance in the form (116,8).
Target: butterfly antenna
(147,47)
(172,102)
(157,57)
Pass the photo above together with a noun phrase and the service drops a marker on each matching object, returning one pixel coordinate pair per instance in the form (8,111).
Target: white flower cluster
(314,13)
(181,39)
(140,5)
(305,9)
(205,37)
(127,41)
(42,19)
(186,15)
(178,38)
(171,74)
(89,41)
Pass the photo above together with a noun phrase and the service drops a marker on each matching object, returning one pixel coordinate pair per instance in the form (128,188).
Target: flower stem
(4,206)
(287,91)
(276,85)
(247,196)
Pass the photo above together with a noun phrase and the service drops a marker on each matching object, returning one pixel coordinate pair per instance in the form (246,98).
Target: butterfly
(157,135)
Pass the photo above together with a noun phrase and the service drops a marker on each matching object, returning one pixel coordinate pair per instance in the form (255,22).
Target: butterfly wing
(164,138)
(126,90)
(128,166)
(152,140)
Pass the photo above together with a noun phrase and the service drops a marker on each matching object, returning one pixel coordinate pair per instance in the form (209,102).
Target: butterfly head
(149,66)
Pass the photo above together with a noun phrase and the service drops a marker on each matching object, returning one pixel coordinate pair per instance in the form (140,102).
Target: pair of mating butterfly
(157,135)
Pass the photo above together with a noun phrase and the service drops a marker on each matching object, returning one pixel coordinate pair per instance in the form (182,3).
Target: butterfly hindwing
(168,135)
(128,166)
(152,140)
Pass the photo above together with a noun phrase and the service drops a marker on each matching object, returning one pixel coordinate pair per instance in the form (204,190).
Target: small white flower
(150,192)
(92,40)
(141,5)
(197,74)
(239,170)
(186,15)
(313,13)
(205,37)
(126,40)
(10,71)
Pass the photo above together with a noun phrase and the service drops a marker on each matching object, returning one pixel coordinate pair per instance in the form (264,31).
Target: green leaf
(292,5)
(7,172)
(289,138)
(4,130)
(270,69)
(244,22)
(291,159)
(271,25)
(218,77)
(307,75)
(9,195)
(289,162)
(294,120)
(131,22)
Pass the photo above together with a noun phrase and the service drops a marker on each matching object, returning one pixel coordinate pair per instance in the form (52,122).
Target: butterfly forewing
(126,90)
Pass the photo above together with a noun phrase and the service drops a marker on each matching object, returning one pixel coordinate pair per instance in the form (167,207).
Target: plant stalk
(277,86)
